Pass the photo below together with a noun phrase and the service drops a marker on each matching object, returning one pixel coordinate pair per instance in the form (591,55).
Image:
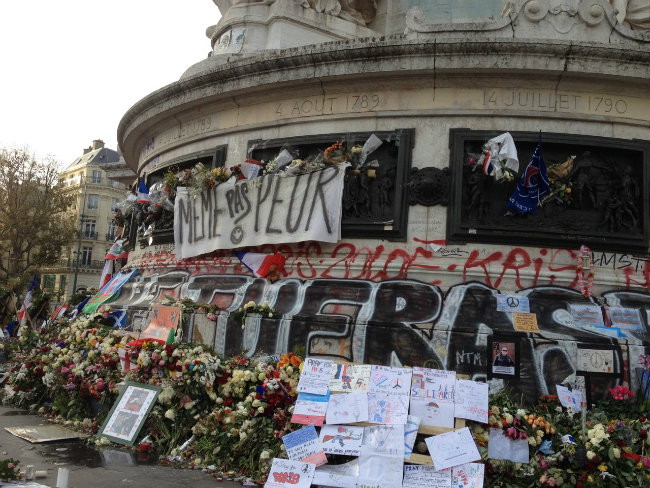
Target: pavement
(115,467)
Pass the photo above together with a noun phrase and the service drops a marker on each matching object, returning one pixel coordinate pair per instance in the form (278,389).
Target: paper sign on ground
(380,470)
(390,380)
(310,409)
(470,475)
(512,303)
(586,315)
(471,400)
(384,408)
(525,322)
(626,318)
(452,448)
(315,376)
(569,398)
(432,396)
(426,477)
(347,408)
(341,439)
(304,445)
(350,377)
(502,447)
(384,438)
(337,475)
(286,473)
(410,433)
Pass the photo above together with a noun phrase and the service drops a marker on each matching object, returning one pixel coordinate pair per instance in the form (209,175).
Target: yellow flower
(568,190)
(602,467)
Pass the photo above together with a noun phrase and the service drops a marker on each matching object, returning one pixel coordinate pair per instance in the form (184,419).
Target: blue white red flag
(143,193)
(532,186)
(27,302)
(260,264)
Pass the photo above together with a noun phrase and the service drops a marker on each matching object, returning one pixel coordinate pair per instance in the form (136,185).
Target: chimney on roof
(88,149)
(98,144)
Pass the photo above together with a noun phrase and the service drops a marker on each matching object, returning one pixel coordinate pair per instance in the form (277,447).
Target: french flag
(260,264)
(143,193)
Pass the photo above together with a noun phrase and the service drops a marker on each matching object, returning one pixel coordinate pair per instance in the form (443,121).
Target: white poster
(512,303)
(347,408)
(471,400)
(586,315)
(304,445)
(290,474)
(348,378)
(341,439)
(384,438)
(452,448)
(569,398)
(337,475)
(268,210)
(390,380)
(315,376)
(432,396)
(626,318)
(380,469)
(410,433)
(384,408)
(470,475)
(426,477)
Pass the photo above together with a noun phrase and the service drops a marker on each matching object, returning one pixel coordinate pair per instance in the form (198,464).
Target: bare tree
(34,225)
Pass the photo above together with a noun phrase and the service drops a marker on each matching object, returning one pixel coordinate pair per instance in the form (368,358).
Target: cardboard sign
(268,210)
(286,473)
(163,319)
(304,445)
(525,322)
(315,376)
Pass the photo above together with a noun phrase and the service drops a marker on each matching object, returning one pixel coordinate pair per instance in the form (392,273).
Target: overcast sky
(70,69)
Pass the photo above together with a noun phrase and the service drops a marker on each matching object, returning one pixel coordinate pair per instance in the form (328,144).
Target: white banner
(267,210)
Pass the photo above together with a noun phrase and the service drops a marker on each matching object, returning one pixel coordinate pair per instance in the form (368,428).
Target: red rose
(643,434)
(227,401)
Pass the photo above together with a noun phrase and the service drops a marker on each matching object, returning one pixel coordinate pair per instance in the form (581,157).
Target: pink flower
(551,482)
(512,433)
(543,464)
(64,370)
(646,462)
(100,384)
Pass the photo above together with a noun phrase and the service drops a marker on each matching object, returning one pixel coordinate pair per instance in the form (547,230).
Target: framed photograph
(503,357)
(129,412)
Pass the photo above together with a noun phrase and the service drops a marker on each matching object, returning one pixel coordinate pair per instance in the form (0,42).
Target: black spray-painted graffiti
(405,322)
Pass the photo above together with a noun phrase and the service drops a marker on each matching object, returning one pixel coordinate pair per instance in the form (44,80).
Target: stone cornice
(282,70)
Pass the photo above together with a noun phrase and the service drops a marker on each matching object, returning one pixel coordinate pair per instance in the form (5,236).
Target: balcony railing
(96,182)
(83,264)
(90,236)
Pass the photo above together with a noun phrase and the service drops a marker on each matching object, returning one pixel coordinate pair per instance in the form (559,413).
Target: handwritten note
(410,433)
(470,475)
(341,439)
(626,318)
(390,380)
(452,448)
(502,447)
(471,400)
(350,377)
(315,376)
(310,409)
(432,396)
(426,477)
(347,408)
(286,473)
(586,315)
(337,475)
(569,398)
(525,322)
(385,408)
(304,445)
(596,360)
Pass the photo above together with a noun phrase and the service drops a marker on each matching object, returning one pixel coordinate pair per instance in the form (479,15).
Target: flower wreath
(585,256)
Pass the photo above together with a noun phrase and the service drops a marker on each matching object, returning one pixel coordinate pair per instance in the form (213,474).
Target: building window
(62,283)
(86,256)
(97,177)
(89,231)
(49,282)
(93,202)
(114,202)
(110,236)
